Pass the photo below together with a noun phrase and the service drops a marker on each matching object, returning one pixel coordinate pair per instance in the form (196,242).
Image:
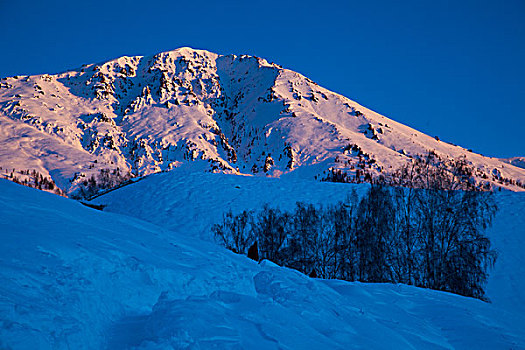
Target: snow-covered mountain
(75,277)
(237,114)
(144,273)
(516,161)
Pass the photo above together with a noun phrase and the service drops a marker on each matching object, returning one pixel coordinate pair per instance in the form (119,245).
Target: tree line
(34,179)
(106,179)
(426,230)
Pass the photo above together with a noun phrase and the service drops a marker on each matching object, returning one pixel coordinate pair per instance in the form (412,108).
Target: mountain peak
(228,113)
(188,52)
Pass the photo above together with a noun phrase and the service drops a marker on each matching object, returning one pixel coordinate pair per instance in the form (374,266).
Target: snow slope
(516,161)
(75,277)
(192,201)
(239,114)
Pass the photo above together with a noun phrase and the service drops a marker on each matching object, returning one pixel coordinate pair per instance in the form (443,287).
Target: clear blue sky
(455,69)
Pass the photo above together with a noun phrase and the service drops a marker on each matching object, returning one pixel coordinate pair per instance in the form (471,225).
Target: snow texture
(76,277)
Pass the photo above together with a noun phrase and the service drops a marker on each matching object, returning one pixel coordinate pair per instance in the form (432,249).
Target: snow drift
(78,277)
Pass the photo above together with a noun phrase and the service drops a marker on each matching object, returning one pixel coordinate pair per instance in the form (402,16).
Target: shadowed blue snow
(162,199)
(75,277)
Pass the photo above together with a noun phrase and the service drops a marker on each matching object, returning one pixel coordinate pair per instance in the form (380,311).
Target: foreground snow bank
(190,202)
(75,277)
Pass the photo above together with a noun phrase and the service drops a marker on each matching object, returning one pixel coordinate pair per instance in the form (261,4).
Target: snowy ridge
(238,114)
(75,277)
(516,161)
